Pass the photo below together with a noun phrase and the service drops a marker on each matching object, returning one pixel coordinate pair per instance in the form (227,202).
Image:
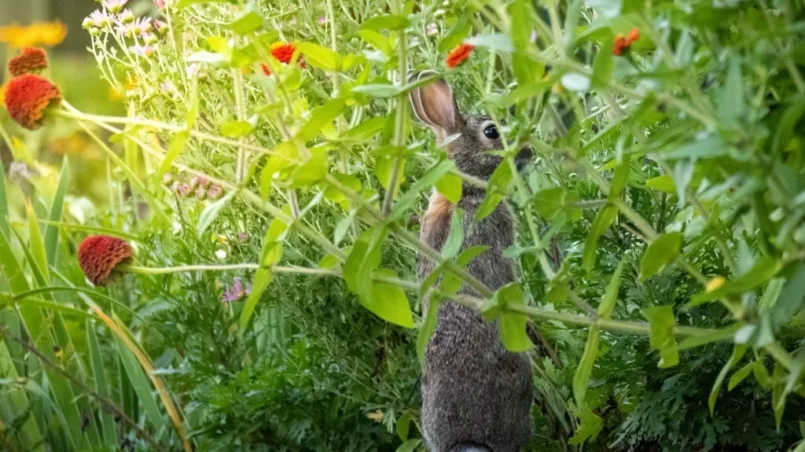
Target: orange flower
(27,96)
(46,34)
(31,60)
(621,43)
(459,55)
(98,255)
(284,53)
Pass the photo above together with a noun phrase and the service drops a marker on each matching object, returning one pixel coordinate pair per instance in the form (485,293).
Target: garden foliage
(269,178)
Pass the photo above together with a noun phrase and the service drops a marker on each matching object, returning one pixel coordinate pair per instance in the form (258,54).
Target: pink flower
(215,192)
(161,4)
(167,178)
(100,19)
(236,291)
(322,20)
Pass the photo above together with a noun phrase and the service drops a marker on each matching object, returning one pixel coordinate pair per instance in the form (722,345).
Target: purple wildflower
(143,51)
(201,193)
(167,178)
(100,19)
(243,236)
(236,291)
(322,20)
(184,190)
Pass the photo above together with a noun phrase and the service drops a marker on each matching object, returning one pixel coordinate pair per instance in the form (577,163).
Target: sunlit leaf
(659,253)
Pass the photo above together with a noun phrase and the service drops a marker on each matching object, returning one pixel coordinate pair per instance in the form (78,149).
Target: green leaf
(175,149)
(496,41)
(731,95)
(312,170)
(365,130)
(140,384)
(498,186)
(761,374)
(410,446)
(450,187)
(248,22)
(549,201)
(526,71)
(664,183)
(456,236)
(18,405)
(101,386)
(377,90)
(237,129)
(659,253)
(591,426)
(607,8)
(320,117)
(36,244)
(661,336)
(388,301)
(737,353)
(792,297)
(707,148)
(185,3)
(576,82)
(270,255)
(739,376)
(56,213)
(211,212)
(512,324)
(377,40)
(428,327)
(4,217)
(585,369)
(363,259)
(387,22)
(384,165)
(611,295)
(778,393)
(456,34)
(603,66)
(602,222)
(320,57)
(764,269)
(720,335)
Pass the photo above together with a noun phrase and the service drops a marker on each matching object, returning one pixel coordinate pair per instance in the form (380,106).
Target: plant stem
(399,120)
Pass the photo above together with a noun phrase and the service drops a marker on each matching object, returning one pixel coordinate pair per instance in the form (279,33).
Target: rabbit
(476,395)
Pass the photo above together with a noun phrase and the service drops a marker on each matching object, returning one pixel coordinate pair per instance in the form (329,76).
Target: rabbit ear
(435,105)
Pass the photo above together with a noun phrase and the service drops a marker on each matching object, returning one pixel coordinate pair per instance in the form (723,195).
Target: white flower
(220,254)
(143,51)
(100,19)
(114,6)
(432,29)
(143,26)
(193,70)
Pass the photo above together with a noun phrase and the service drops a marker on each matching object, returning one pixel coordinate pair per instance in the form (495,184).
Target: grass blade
(56,212)
(99,377)
(16,402)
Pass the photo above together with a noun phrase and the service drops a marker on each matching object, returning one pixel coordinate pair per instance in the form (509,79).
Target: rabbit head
(435,105)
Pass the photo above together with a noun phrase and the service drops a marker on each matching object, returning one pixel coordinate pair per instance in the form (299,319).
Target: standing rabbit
(476,395)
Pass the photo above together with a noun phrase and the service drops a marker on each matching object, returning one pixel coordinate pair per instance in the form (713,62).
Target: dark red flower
(30,60)
(459,55)
(98,255)
(27,97)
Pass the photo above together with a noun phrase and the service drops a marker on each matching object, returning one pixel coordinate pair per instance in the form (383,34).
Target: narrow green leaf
(602,222)
(585,369)
(37,245)
(498,186)
(141,385)
(428,327)
(4,212)
(456,236)
(270,255)
(386,22)
(731,95)
(611,295)
(737,353)
(17,404)
(56,211)
(101,387)
(739,376)
(660,252)
(410,446)
(175,149)
(248,22)
(211,212)
(430,177)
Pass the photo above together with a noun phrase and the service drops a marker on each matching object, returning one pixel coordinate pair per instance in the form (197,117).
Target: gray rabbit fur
(476,395)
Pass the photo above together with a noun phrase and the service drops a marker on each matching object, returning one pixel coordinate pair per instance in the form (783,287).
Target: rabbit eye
(491,132)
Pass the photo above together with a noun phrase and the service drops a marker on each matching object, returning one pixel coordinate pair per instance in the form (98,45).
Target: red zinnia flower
(622,43)
(27,97)
(98,255)
(283,52)
(459,54)
(31,60)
